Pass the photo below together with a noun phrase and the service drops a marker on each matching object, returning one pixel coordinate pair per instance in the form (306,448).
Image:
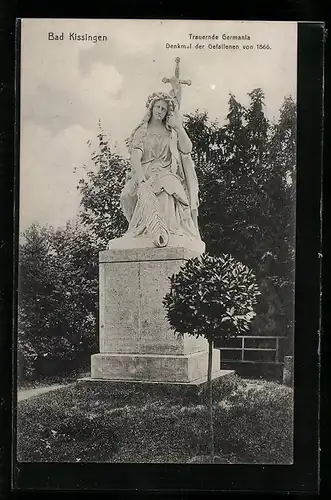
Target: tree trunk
(210,402)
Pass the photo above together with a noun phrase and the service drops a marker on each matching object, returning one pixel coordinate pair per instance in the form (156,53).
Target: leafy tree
(280,185)
(235,136)
(232,195)
(256,131)
(58,298)
(213,297)
(100,203)
(281,189)
(248,194)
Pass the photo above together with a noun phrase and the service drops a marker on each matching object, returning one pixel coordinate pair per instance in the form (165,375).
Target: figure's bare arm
(136,165)
(184,142)
(176,90)
(176,94)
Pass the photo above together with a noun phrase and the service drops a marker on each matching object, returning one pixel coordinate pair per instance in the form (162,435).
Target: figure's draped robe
(172,177)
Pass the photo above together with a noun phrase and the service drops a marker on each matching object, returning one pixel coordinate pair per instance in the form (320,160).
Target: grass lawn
(253,424)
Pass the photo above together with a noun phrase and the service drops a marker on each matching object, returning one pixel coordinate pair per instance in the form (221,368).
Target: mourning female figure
(160,196)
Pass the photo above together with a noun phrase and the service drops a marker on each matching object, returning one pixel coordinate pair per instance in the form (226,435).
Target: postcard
(157,229)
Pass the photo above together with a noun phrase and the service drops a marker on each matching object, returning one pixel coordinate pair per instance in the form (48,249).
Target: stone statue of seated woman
(160,196)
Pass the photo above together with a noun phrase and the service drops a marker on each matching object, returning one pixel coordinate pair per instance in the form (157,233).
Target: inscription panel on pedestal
(119,307)
(156,336)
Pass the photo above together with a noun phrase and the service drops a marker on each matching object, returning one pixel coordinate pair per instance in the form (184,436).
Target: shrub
(212,297)
(58,301)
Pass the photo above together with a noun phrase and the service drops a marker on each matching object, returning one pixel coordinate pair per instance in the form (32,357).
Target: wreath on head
(158,96)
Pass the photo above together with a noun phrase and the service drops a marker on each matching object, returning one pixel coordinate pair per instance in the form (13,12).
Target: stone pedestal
(136,341)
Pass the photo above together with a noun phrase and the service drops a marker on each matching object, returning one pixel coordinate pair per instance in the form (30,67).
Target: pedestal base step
(153,367)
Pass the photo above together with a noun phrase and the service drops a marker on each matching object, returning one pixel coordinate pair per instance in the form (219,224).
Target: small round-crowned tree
(213,297)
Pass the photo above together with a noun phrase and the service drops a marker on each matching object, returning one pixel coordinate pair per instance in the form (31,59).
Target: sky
(68,85)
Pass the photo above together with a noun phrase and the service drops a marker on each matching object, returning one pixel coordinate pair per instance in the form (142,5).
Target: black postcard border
(302,476)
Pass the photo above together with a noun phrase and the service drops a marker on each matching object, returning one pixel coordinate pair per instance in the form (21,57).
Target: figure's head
(160,109)
(160,105)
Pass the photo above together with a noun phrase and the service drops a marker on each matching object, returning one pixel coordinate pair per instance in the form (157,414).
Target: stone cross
(181,82)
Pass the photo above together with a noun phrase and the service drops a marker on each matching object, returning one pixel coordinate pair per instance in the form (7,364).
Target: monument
(160,202)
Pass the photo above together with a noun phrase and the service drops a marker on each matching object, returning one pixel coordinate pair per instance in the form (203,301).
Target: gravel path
(29,393)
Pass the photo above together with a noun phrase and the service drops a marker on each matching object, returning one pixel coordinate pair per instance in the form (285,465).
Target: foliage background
(246,173)
(58,301)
